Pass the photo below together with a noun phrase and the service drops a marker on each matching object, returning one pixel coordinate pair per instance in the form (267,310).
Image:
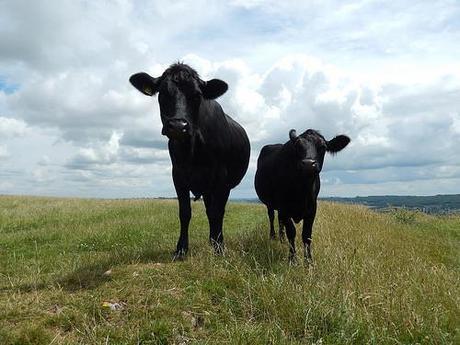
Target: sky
(385,73)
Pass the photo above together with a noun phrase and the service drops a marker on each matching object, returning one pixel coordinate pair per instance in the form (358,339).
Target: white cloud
(455,127)
(10,127)
(42,174)
(387,75)
(105,153)
(3,152)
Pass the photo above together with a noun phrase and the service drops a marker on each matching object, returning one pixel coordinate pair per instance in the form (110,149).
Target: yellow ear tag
(148,90)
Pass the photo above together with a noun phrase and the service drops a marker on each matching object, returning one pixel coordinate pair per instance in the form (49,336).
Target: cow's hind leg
(215,209)
(271,217)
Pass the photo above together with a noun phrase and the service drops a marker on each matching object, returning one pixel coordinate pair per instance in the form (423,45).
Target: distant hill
(435,204)
(448,203)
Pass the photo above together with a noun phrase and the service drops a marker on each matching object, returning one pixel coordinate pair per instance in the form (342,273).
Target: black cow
(287,180)
(208,149)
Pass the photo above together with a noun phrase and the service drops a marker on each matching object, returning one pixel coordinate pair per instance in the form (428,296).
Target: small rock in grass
(196,320)
(55,309)
(113,306)
(107,273)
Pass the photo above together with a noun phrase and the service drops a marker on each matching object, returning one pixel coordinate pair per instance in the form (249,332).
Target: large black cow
(287,180)
(208,149)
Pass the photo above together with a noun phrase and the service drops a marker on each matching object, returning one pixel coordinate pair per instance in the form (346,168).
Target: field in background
(377,278)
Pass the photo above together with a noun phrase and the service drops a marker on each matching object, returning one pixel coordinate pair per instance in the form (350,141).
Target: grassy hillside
(377,278)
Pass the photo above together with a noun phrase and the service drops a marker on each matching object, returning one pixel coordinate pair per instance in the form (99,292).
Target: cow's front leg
(280,229)
(307,230)
(185,213)
(215,209)
(290,233)
(271,218)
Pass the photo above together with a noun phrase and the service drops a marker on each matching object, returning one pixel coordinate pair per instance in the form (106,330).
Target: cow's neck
(184,152)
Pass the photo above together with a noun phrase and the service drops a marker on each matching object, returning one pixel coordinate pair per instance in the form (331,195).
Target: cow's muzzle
(309,166)
(176,128)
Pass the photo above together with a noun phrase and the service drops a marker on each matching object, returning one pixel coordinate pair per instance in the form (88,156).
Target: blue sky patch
(7,87)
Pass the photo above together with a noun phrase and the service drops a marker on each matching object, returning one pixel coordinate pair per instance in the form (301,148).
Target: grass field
(376,279)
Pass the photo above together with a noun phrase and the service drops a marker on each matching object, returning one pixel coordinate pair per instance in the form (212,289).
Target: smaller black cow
(287,180)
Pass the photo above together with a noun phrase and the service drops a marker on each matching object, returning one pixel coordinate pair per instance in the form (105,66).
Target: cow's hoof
(218,246)
(308,261)
(293,260)
(307,255)
(179,255)
(219,251)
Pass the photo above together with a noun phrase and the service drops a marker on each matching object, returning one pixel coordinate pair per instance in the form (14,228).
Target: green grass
(377,278)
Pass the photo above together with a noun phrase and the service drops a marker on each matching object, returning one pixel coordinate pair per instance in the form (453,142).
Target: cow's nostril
(177,124)
(176,128)
(309,164)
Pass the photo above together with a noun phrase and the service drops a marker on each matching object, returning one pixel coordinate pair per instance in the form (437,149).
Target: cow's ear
(145,83)
(293,135)
(337,144)
(213,88)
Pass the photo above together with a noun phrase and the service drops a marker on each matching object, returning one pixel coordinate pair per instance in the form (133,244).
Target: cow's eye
(196,98)
(301,150)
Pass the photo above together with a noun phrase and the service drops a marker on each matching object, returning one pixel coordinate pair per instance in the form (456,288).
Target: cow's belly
(296,213)
(201,179)
(294,208)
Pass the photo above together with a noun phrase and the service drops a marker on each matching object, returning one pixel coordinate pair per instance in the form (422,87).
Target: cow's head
(310,148)
(180,94)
